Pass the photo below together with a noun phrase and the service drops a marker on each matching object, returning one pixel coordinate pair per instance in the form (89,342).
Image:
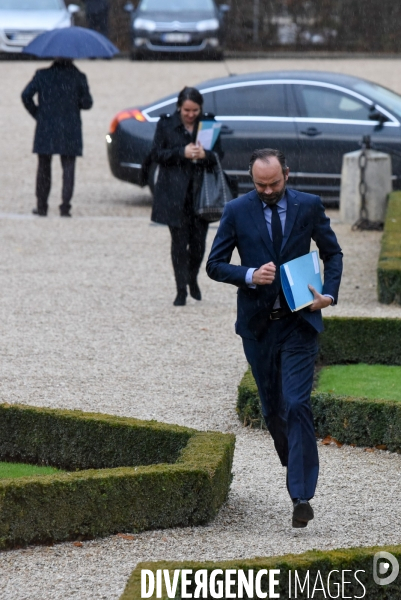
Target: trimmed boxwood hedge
(349,420)
(389,267)
(351,559)
(360,340)
(124,475)
(74,440)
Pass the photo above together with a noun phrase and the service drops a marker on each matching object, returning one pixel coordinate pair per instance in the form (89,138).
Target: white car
(22,20)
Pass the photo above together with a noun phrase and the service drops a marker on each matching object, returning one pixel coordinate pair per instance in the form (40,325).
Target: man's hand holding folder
(319,301)
(302,283)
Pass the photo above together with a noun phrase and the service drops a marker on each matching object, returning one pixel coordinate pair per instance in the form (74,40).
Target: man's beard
(271,199)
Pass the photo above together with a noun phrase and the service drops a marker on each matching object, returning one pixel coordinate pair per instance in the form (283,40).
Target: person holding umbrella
(62,92)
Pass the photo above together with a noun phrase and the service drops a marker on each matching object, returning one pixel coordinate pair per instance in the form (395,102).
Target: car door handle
(312,132)
(225,130)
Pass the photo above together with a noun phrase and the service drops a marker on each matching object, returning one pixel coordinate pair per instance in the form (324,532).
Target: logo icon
(385,568)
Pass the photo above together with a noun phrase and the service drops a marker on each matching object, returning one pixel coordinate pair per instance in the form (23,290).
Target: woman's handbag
(214,194)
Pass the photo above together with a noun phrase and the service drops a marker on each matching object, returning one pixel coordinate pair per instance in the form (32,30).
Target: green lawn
(11,470)
(369,381)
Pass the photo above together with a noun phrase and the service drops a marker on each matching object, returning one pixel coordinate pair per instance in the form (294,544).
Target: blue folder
(295,277)
(208,132)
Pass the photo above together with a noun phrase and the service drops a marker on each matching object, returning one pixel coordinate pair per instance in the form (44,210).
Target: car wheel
(153,175)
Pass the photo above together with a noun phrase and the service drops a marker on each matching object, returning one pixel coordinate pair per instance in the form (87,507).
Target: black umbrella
(71,42)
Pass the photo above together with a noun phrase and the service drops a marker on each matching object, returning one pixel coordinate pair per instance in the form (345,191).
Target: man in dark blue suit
(271,226)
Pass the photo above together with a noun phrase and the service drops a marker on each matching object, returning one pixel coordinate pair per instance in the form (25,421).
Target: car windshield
(31,4)
(384,97)
(176,6)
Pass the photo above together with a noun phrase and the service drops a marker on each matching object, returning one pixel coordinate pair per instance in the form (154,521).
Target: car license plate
(23,36)
(176,37)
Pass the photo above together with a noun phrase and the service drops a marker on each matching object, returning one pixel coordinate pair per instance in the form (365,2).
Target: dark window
(170,108)
(252,101)
(325,103)
(167,108)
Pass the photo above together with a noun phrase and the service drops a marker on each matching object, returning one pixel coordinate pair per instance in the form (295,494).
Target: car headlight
(144,24)
(208,25)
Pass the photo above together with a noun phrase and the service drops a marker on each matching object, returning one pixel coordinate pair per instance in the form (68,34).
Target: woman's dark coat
(62,92)
(176,171)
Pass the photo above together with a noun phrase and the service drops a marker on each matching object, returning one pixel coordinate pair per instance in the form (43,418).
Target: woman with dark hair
(181,164)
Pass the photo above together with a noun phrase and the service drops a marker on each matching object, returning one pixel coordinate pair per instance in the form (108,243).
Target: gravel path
(87,322)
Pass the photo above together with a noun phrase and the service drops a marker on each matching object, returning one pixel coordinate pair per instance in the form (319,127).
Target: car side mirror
(73,8)
(129,7)
(375,115)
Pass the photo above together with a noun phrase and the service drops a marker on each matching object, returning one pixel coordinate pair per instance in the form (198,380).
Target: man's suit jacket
(243,226)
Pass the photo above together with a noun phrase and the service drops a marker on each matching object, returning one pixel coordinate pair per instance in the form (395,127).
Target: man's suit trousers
(282,364)
(44,181)
(99,21)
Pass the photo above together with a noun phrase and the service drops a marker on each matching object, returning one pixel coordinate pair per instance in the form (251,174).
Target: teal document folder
(296,275)
(208,132)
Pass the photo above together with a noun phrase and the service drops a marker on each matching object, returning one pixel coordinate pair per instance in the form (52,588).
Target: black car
(314,117)
(180,27)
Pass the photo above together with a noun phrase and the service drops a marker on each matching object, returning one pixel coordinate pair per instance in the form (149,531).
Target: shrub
(360,340)
(124,475)
(389,267)
(74,440)
(350,560)
(350,420)
(358,420)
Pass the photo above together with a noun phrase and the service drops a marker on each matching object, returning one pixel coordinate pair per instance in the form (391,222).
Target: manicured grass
(12,470)
(368,381)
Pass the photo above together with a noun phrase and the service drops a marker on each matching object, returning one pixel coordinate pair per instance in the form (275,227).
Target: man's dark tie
(277,232)
(277,238)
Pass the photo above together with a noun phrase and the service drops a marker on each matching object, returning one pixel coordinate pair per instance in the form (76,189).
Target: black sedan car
(314,117)
(177,27)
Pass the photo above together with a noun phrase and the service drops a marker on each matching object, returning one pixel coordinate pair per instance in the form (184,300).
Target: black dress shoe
(195,291)
(302,514)
(38,212)
(181,298)
(65,214)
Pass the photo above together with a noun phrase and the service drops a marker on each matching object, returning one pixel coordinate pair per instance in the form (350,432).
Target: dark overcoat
(95,7)
(176,172)
(62,92)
